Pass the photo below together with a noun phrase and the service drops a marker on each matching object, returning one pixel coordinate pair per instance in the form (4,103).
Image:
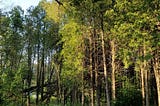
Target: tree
(12,64)
(72,56)
(42,46)
(84,52)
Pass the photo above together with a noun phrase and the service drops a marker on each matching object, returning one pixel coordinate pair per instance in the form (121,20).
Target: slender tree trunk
(96,69)
(29,70)
(74,95)
(156,67)
(22,98)
(59,83)
(97,87)
(82,99)
(95,52)
(38,74)
(105,71)
(158,88)
(146,78)
(82,73)
(42,75)
(91,72)
(104,62)
(142,84)
(96,81)
(112,43)
(146,88)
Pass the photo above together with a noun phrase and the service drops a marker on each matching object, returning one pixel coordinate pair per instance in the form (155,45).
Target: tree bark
(104,60)
(29,76)
(91,72)
(97,88)
(38,73)
(42,75)
(146,78)
(142,84)
(156,67)
(82,99)
(82,74)
(112,43)
(95,38)
(105,69)
(59,83)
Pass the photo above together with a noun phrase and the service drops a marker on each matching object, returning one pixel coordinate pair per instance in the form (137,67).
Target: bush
(129,96)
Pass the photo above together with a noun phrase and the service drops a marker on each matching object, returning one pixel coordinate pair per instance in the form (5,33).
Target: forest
(81,53)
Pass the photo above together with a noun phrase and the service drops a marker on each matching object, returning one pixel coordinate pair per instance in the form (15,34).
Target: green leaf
(148,57)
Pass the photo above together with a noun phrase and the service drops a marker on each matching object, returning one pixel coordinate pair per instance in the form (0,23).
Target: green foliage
(51,38)
(16,18)
(131,28)
(129,95)
(72,53)
(11,86)
(11,46)
(53,10)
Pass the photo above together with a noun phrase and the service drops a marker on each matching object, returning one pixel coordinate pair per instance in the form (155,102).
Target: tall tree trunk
(82,99)
(42,75)
(112,43)
(142,84)
(91,72)
(146,78)
(59,83)
(105,71)
(29,70)
(95,52)
(82,74)
(38,74)
(104,62)
(74,95)
(156,67)
(96,69)
(97,87)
